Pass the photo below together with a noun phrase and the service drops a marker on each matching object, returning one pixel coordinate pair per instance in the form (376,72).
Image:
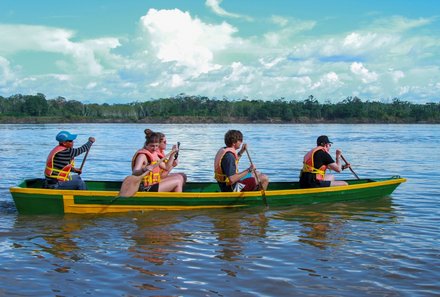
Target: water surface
(384,247)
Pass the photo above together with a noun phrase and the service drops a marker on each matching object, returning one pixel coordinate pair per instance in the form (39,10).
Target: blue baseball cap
(65,136)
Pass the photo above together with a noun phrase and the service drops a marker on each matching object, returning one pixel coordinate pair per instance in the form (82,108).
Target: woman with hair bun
(145,160)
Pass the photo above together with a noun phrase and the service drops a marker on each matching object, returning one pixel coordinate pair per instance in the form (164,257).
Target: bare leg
(333,182)
(336,183)
(183,175)
(264,179)
(172,183)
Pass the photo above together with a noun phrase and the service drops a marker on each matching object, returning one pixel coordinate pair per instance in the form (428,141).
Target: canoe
(101,196)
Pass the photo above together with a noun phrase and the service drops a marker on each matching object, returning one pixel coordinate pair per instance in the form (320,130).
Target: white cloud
(177,37)
(16,38)
(6,75)
(397,75)
(329,80)
(177,81)
(365,75)
(399,24)
(91,85)
(176,52)
(214,5)
(287,34)
(279,20)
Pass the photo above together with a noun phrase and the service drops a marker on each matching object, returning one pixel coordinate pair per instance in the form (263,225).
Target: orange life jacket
(218,172)
(161,154)
(153,177)
(309,166)
(59,174)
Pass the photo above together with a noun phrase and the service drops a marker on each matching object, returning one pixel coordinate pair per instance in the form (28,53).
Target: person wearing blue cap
(60,163)
(316,162)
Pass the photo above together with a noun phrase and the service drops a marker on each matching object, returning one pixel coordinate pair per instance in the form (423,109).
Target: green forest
(199,109)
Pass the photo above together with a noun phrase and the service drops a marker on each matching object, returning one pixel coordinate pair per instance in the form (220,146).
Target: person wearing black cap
(315,164)
(60,163)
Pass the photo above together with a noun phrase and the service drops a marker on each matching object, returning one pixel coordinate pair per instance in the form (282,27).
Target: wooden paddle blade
(130,185)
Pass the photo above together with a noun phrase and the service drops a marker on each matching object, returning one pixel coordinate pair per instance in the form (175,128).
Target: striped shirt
(63,158)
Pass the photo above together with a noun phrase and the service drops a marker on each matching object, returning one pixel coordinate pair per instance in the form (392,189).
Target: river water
(385,247)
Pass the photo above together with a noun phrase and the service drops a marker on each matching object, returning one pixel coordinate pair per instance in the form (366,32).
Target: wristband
(249,170)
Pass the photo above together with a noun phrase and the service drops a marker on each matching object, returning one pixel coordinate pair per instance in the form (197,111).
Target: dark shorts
(322,184)
(308,180)
(153,188)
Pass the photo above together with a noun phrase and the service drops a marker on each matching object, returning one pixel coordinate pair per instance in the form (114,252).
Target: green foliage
(185,108)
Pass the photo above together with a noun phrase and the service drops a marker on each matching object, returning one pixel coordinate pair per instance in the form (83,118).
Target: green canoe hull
(102,196)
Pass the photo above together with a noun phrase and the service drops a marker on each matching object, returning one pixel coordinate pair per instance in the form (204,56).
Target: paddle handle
(177,154)
(263,193)
(352,171)
(84,160)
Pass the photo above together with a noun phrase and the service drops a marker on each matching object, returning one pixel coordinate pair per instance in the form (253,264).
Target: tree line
(199,109)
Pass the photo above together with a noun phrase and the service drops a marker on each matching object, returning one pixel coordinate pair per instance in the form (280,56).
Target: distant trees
(203,109)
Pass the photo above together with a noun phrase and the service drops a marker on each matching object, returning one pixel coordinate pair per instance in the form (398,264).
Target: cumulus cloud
(363,73)
(214,5)
(177,37)
(330,79)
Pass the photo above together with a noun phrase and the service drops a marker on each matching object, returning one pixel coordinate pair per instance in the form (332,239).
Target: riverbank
(200,120)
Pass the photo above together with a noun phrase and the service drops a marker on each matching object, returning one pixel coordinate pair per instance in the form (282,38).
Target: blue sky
(125,51)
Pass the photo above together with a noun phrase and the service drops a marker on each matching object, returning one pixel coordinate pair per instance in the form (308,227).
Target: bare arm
(337,165)
(236,177)
(139,168)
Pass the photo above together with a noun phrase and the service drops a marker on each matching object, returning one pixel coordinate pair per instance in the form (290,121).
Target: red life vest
(59,174)
(309,166)
(218,172)
(153,177)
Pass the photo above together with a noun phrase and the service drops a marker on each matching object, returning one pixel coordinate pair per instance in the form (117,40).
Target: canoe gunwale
(372,183)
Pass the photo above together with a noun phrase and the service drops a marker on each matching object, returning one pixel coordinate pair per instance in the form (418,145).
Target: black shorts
(153,188)
(308,180)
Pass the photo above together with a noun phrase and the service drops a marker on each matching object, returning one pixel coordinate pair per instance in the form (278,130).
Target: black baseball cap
(323,139)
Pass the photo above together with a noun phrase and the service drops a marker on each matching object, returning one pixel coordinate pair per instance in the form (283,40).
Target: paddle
(263,193)
(177,154)
(352,171)
(84,160)
(130,184)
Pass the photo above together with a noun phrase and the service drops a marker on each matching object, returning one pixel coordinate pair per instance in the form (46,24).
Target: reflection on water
(323,225)
(171,251)
(382,247)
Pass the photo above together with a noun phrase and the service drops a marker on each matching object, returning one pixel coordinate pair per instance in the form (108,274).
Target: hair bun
(148,133)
